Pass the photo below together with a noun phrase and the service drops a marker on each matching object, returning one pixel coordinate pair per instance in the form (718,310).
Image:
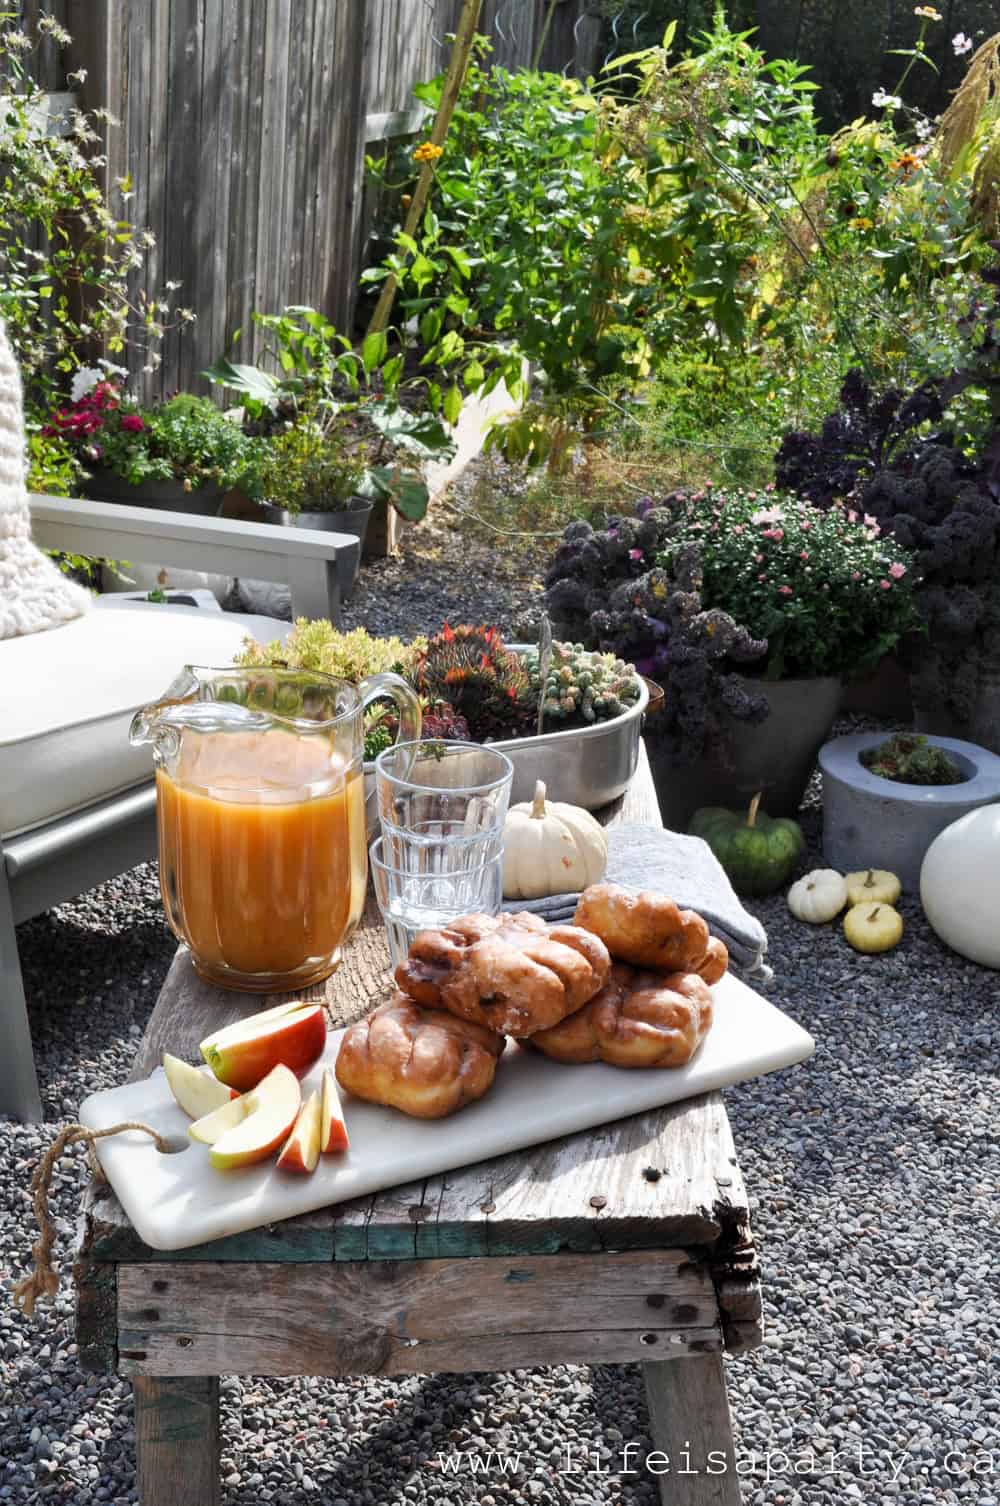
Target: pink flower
(886,585)
(806,527)
(852,516)
(777,534)
(738,528)
(804,555)
(762,577)
(855,574)
(871,522)
(784,590)
(635,554)
(897,571)
(133,423)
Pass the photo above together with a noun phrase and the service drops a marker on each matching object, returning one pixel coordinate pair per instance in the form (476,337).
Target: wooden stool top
(663,1180)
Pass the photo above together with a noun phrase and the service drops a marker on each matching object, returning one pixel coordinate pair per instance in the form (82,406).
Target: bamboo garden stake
(458,64)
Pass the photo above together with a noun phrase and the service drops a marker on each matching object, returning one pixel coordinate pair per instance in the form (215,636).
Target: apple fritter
(426,1062)
(649,930)
(511,973)
(641,1019)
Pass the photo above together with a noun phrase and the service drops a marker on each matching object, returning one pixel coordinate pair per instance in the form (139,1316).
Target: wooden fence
(243,127)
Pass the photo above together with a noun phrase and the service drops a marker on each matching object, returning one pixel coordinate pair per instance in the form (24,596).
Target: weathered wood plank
(661,1179)
(411,1316)
(177,1440)
(692,1429)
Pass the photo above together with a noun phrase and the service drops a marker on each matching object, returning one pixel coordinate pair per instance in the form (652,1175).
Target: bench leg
(690,1424)
(315,588)
(18,1083)
(177,1440)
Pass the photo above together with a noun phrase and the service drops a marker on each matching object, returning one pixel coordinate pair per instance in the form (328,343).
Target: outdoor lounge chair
(77,802)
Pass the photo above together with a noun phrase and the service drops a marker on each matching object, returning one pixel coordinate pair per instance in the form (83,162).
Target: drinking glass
(442,805)
(414,901)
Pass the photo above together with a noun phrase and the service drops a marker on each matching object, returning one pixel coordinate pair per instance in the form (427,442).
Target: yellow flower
(861,223)
(428,152)
(927,12)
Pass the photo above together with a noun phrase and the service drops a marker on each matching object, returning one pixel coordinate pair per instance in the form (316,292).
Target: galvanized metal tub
(586,766)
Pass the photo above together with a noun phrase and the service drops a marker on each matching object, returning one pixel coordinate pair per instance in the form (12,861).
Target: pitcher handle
(394,688)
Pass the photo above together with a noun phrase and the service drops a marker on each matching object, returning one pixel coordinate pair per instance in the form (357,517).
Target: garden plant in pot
(926,467)
(474,688)
(749,608)
(180,456)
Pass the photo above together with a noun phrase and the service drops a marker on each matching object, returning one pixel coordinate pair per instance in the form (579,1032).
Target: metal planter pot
(353,520)
(777,756)
(161,496)
(586,766)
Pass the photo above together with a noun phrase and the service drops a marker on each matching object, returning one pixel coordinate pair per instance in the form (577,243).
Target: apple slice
(213,1126)
(243,1054)
(333,1131)
(271,1110)
(196,1091)
(300,1151)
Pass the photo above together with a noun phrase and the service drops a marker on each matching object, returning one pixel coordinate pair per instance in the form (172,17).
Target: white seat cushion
(68,696)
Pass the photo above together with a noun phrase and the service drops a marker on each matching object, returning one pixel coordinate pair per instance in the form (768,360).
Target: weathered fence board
(243,129)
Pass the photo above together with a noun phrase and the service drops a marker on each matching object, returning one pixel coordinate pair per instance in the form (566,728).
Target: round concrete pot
(872,822)
(777,756)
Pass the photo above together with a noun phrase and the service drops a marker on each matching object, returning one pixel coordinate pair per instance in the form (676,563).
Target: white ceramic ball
(960,885)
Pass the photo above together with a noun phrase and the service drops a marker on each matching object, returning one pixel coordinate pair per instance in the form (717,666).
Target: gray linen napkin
(686,868)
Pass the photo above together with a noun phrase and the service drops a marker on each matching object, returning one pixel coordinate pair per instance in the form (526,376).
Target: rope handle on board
(44,1278)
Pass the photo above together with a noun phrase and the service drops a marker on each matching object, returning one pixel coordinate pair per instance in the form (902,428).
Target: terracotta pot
(777,756)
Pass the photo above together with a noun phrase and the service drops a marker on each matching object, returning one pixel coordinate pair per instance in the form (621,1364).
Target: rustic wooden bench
(631,1242)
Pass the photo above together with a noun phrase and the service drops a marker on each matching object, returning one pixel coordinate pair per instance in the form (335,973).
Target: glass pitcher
(261,817)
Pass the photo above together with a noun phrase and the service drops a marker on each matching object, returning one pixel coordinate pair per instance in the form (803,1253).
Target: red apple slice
(212,1127)
(271,1110)
(300,1151)
(197,1092)
(333,1131)
(243,1054)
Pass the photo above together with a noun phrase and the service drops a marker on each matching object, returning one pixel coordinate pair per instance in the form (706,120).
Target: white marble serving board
(179,1200)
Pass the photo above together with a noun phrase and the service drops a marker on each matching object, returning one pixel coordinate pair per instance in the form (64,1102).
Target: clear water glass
(412,901)
(442,805)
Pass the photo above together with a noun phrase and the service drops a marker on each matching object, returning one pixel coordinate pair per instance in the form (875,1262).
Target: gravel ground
(875,1177)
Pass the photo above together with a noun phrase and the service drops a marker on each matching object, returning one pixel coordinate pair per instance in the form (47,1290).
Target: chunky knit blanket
(33,594)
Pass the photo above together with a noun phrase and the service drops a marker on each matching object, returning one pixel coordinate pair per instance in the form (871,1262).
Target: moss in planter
(909,758)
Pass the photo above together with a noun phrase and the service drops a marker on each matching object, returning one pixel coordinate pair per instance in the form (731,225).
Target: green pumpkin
(759,854)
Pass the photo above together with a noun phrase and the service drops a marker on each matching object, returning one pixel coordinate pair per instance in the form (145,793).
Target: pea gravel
(875,1177)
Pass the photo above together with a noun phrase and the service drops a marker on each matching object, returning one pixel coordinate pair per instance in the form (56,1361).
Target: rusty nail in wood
(598,1202)
(488,1208)
(651,1174)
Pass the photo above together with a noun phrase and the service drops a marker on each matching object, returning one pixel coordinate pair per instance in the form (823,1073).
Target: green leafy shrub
(68,259)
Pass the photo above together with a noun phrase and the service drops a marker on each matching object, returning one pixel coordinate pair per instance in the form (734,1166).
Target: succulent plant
(909,758)
(583,685)
(482,681)
(317,644)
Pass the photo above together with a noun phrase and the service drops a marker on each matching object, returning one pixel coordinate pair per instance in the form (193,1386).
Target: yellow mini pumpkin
(873,928)
(550,848)
(876,885)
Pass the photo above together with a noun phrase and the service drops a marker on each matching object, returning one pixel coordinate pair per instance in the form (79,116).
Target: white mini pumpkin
(551,848)
(818,897)
(960,885)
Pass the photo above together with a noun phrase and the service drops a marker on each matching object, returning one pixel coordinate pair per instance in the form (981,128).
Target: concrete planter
(777,756)
(872,822)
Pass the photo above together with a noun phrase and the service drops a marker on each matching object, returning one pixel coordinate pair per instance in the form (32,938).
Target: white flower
(961,44)
(83,381)
(923,127)
(881,100)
